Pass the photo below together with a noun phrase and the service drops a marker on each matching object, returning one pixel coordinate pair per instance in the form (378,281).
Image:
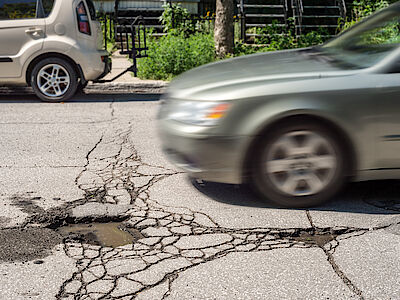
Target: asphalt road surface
(97,160)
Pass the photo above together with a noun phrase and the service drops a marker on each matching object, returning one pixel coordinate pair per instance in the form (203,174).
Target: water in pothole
(113,234)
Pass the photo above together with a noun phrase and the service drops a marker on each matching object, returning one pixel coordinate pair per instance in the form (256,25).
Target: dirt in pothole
(319,239)
(113,234)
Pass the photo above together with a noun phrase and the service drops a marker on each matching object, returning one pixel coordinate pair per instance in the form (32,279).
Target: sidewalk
(126,83)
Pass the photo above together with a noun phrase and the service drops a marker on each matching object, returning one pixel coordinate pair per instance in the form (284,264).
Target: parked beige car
(55,46)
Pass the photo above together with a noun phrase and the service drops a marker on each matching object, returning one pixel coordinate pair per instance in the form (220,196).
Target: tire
(54,80)
(298,165)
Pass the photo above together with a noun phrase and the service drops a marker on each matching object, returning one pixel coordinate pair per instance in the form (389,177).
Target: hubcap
(301,163)
(53,80)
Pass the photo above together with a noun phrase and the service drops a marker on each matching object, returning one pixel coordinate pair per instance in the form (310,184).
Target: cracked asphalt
(98,159)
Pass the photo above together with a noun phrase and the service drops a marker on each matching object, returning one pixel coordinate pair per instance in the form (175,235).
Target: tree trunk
(223,29)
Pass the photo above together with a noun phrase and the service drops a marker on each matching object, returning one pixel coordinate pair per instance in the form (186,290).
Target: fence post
(105,30)
(242,22)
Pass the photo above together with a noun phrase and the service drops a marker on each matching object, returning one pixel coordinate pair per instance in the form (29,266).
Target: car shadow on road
(372,197)
(16,97)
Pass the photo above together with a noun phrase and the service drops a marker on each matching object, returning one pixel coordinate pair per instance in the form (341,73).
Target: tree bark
(223,29)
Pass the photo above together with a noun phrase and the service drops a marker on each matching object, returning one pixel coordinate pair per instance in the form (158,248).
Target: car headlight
(199,113)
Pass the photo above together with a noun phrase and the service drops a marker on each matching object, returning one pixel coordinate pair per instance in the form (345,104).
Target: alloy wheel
(301,163)
(53,80)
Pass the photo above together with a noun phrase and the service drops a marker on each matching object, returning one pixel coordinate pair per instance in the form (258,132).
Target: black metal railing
(131,40)
(107,25)
(294,13)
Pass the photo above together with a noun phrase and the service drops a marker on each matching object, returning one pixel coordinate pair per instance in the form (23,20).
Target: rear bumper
(107,68)
(93,67)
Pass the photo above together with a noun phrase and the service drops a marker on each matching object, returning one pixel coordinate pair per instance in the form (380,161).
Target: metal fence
(107,21)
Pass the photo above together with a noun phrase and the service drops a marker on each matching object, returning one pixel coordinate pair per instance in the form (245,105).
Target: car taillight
(83,19)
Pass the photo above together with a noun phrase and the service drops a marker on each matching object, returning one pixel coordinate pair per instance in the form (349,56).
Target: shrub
(362,9)
(176,17)
(176,53)
(275,38)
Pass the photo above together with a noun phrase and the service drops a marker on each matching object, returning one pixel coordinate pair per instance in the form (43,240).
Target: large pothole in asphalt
(113,234)
(26,244)
(91,223)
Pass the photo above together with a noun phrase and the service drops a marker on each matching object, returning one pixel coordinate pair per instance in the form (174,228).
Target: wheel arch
(336,129)
(32,64)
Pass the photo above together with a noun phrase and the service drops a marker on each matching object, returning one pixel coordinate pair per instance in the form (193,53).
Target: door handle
(34,30)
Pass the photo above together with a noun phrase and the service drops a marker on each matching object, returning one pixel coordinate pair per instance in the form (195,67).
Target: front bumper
(210,158)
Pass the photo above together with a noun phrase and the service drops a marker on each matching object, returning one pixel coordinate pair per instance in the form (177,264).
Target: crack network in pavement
(175,238)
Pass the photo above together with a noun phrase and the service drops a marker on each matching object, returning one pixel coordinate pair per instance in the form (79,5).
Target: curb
(102,88)
(127,87)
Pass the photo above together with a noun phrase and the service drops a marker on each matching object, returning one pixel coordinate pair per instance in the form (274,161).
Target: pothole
(314,236)
(318,238)
(112,234)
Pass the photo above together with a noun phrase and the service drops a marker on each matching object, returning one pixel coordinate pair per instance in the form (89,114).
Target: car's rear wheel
(54,80)
(298,165)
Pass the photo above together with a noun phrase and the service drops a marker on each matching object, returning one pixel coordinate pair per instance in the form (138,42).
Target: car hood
(253,69)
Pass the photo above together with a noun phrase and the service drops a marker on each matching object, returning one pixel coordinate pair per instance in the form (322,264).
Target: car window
(92,9)
(47,7)
(385,33)
(369,42)
(17,9)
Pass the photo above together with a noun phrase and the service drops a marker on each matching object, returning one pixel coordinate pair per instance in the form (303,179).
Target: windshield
(369,42)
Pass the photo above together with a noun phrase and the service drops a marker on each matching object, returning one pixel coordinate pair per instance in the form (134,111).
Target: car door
(388,97)
(22,32)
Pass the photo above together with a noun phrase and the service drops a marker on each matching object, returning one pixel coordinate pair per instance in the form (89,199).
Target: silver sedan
(296,124)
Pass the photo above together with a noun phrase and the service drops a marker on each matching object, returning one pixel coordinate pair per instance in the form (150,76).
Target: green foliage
(246,49)
(18,11)
(107,20)
(312,38)
(387,34)
(274,38)
(176,53)
(174,18)
(183,49)
(189,44)
(362,9)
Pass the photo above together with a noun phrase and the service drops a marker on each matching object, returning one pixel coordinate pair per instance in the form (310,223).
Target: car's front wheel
(54,80)
(298,165)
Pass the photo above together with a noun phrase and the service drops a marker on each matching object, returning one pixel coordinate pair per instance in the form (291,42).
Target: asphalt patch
(27,244)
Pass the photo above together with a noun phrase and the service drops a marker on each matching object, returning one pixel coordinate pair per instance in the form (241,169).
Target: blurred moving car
(55,46)
(297,124)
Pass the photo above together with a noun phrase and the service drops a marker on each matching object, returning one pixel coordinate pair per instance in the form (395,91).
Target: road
(97,160)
